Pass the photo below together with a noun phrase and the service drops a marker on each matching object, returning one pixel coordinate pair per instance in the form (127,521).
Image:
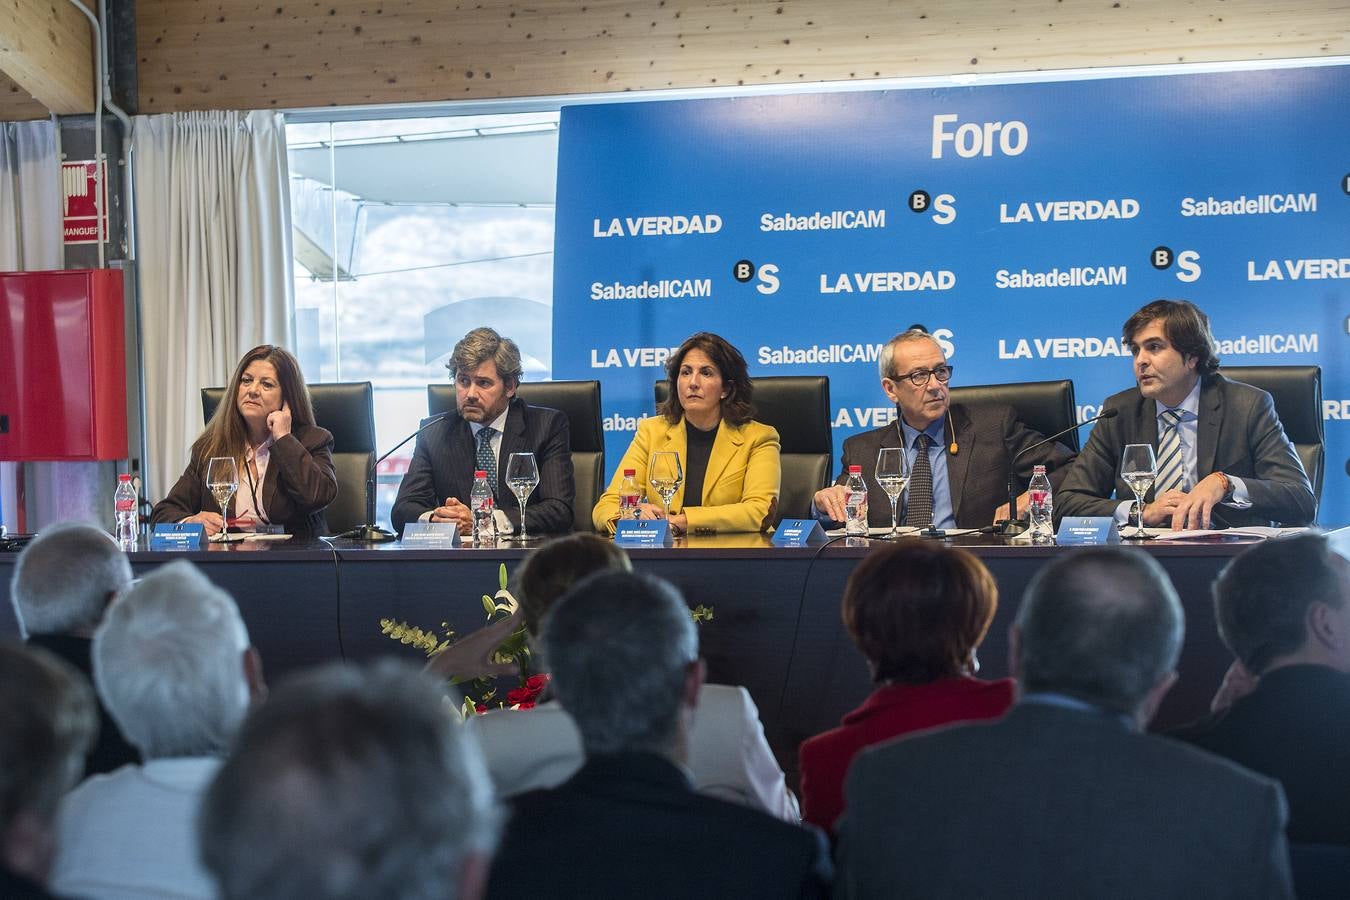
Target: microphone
(371,533)
(1014,525)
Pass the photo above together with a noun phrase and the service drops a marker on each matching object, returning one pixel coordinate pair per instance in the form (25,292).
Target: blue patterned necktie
(487,460)
(1171,456)
(919,499)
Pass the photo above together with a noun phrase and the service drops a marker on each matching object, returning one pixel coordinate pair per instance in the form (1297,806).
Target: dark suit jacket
(1238,434)
(1294,727)
(988,436)
(111,750)
(630,825)
(1055,802)
(444,460)
(299,485)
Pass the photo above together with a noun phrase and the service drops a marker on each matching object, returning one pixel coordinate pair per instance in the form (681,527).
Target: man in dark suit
(488,425)
(62,584)
(625,665)
(1223,457)
(1066,796)
(969,449)
(1283,608)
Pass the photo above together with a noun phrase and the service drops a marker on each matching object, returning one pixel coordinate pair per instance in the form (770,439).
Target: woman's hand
(279,422)
(212,520)
(650,511)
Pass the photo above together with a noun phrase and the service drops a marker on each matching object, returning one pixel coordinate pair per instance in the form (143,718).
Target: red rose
(536,683)
(520,695)
(528,704)
(481,709)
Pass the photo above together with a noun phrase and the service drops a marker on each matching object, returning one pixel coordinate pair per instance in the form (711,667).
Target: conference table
(776,626)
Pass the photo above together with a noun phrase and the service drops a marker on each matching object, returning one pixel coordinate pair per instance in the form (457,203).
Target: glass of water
(522,477)
(1138,468)
(892,474)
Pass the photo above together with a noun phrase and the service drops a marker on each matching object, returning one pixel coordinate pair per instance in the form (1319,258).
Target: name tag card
(798,533)
(1087,530)
(178,536)
(431,535)
(643,533)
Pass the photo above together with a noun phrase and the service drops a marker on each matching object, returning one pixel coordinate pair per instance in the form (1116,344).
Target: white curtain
(30,229)
(214,251)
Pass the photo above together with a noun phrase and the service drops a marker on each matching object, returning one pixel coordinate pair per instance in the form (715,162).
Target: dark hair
(737,407)
(917,610)
(1186,327)
(554,567)
(481,345)
(1102,624)
(1260,616)
(225,434)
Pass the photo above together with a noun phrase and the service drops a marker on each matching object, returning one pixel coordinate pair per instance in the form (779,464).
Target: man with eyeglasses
(958,456)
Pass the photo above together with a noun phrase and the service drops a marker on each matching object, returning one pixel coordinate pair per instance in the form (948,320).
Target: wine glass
(892,474)
(666,475)
(522,477)
(1138,468)
(222,480)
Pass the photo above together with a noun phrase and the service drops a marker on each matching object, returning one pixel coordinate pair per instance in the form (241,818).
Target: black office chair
(346,408)
(580,401)
(798,406)
(1047,406)
(1297,392)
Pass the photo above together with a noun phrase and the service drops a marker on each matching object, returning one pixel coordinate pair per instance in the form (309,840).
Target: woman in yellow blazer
(730,462)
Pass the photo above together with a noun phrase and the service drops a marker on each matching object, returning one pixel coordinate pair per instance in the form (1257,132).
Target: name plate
(798,533)
(178,536)
(1087,530)
(431,535)
(643,533)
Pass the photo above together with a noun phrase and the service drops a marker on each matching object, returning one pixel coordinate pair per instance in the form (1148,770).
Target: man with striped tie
(1223,457)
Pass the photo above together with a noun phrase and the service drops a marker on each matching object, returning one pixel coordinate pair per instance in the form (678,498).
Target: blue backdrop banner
(1021,224)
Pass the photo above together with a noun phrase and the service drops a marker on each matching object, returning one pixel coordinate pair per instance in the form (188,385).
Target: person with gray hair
(624,660)
(47,711)
(173,664)
(489,423)
(1067,796)
(1283,609)
(959,455)
(350,783)
(62,583)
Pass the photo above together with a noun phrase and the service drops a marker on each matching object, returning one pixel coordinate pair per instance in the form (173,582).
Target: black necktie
(919,500)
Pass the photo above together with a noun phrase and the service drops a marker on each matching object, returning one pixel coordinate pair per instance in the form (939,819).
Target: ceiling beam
(46,47)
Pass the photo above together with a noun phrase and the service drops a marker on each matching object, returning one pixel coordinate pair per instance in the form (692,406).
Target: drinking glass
(666,475)
(1138,468)
(222,480)
(892,474)
(522,477)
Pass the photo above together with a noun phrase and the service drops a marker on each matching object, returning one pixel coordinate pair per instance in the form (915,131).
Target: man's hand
(1023,503)
(1160,511)
(1237,683)
(279,422)
(212,520)
(830,501)
(454,511)
(1185,511)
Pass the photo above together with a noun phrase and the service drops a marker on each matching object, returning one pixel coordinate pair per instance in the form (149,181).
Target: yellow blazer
(740,488)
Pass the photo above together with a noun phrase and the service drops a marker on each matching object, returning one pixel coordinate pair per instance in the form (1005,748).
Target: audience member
(173,665)
(1066,796)
(1283,608)
(63,581)
(49,719)
(624,658)
(917,611)
(528,749)
(350,783)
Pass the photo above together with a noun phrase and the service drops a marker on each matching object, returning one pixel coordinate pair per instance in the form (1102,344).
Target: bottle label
(125,504)
(1038,497)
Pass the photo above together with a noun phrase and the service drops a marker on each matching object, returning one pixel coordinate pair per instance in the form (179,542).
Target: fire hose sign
(80,215)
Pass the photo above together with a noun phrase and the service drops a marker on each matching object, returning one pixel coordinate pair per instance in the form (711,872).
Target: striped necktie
(487,460)
(919,499)
(1171,456)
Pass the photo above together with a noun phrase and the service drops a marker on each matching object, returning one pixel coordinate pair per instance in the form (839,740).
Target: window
(409,232)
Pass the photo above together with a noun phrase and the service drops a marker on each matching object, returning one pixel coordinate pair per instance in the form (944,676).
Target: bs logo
(1188,263)
(744,271)
(943,206)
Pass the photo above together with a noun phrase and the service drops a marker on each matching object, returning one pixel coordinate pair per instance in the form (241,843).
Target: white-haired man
(173,665)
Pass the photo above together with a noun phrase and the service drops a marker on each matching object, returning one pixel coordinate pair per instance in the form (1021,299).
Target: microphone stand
(1013,525)
(371,533)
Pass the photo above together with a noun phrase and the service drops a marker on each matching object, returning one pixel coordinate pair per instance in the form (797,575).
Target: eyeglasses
(919,377)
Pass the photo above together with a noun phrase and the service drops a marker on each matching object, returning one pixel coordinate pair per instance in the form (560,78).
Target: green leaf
(488,606)
(501,577)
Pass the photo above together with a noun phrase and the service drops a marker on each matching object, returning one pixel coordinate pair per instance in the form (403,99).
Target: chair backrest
(347,409)
(1047,406)
(798,406)
(1297,392)
(580,402)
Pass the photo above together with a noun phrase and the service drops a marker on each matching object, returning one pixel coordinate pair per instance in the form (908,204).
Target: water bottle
(1041,508)
(855,503)
(124,503)
(480,501)
(630,495)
